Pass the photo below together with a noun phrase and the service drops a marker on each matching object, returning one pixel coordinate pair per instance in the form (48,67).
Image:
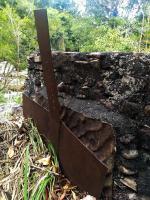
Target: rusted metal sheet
(84,160)
(33,110)
(41,22)
(78,163)
(97,136)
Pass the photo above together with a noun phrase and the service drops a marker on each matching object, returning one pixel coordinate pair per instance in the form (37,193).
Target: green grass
(2,97)
(40,189)
(35,165)
(35,139)
(35,172)
(36,183)
(53,153)
(18,99)
(26,172)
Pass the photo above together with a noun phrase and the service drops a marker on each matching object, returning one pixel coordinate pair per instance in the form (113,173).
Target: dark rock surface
(113,87)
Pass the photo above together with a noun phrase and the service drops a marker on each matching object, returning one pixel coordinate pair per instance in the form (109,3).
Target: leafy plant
(2,97)
(15,40)
(36,139)
(53,153)
(26,172)
(18,99)
(101,28)
(40,188)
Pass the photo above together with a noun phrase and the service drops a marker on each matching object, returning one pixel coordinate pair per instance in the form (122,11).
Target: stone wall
(113,87)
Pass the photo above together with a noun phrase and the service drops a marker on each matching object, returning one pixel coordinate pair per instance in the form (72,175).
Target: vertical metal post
(41,22)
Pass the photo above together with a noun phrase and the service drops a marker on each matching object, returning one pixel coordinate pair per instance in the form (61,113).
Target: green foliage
(26,172)
(102,8)
(76,33)
(101,29)
(62,5)
(60,29)
(16,37)
(35,184)
(2,97)
(36,139)
(116,42)
(18,99)
(45,180)
(53,153)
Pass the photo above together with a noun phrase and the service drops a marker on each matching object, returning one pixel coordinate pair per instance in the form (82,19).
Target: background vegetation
(92,25)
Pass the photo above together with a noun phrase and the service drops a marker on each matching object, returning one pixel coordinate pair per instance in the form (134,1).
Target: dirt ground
(28,168)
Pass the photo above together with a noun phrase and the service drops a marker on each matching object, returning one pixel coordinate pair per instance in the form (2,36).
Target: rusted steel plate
(97,136)
(78,163)
(38,114)
(41,22)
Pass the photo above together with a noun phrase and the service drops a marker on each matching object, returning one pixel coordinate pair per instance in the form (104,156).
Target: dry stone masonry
(115,88)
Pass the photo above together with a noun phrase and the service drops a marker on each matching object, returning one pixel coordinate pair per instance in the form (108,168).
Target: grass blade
(26,172)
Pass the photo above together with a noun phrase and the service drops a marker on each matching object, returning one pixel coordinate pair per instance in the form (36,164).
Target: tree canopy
(103,25)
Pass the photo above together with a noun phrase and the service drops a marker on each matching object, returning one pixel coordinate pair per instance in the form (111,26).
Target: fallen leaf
(10,152)
(55,168)
(19,122)
(3,196)
(66,187)
(74,195)
(44,161)
(17,142)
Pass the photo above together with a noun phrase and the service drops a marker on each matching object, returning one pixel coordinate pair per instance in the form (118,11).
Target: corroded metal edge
(79,164)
